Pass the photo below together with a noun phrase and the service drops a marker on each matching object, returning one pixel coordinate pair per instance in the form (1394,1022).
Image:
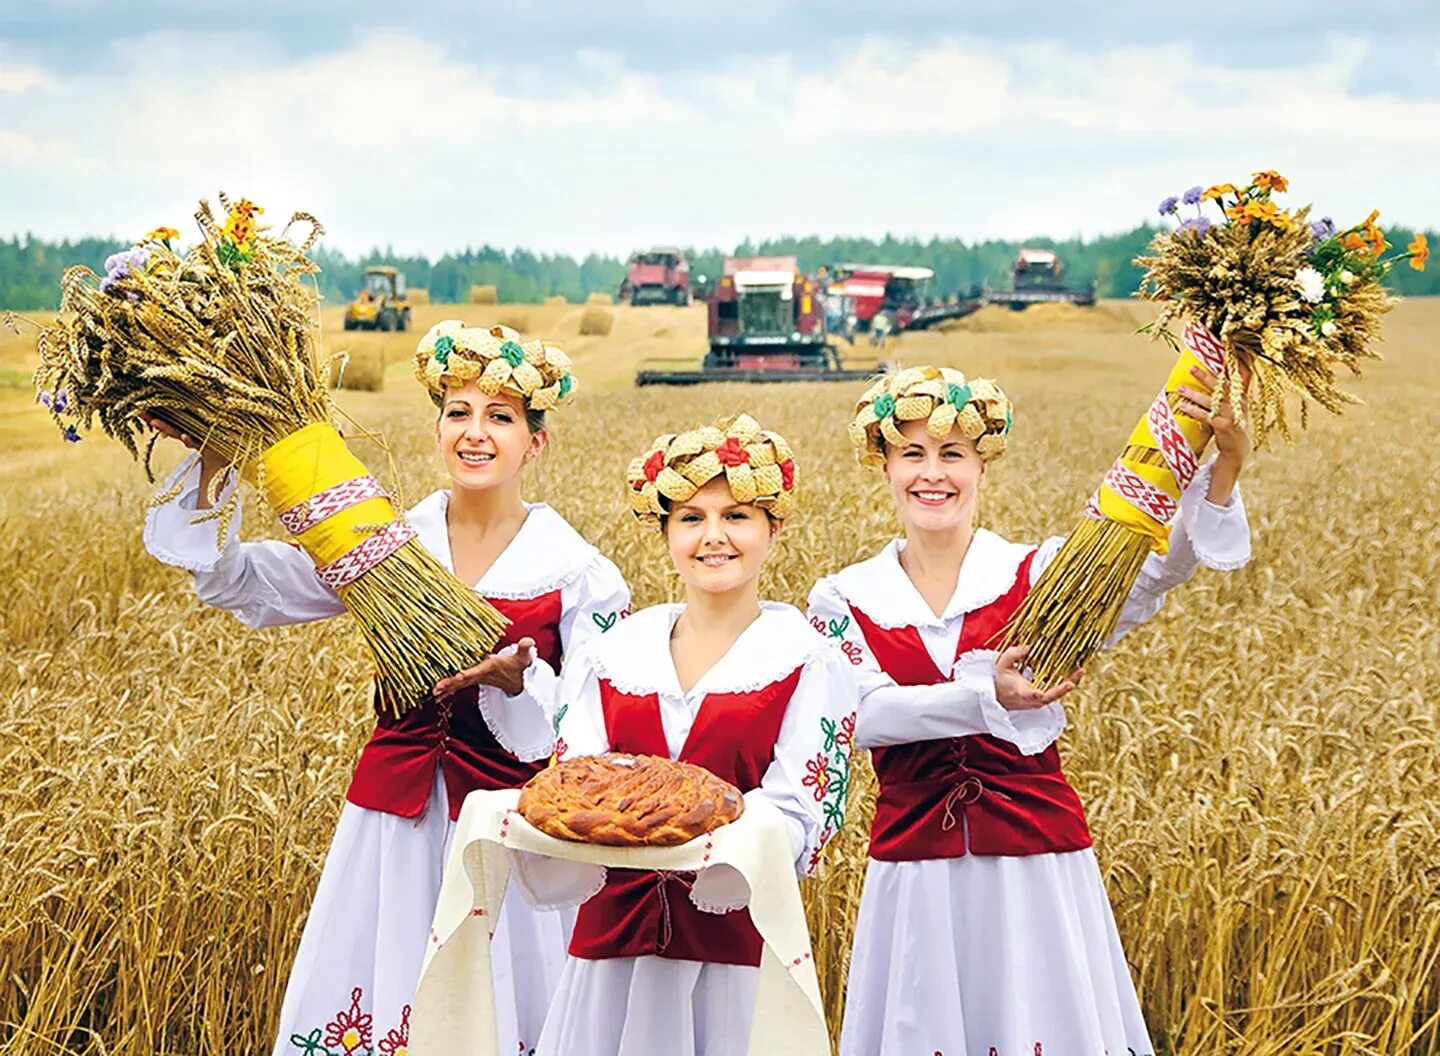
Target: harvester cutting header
(766,322)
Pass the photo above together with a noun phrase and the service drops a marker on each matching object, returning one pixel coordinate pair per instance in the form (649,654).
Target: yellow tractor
(381,302)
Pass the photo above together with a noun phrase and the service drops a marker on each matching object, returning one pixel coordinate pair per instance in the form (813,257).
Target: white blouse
(267,584)
(1217,537)
(808,776)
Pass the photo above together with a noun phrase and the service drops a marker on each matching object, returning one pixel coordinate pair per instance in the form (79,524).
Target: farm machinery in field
(381,303)
(1038,277)
(659,275)
(889,298)
(766,322)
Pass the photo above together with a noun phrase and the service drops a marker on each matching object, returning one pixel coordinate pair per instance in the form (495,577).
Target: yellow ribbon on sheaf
(1119,509)
(308,462)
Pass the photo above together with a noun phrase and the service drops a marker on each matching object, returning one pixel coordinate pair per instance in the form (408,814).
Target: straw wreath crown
(942,399)
(497,360)
(757,464)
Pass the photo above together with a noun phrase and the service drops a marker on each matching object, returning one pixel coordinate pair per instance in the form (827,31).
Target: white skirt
(359,959)
(990,956)
(650,1006)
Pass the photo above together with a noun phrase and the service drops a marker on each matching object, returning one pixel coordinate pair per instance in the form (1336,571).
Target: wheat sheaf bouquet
(222,342)
(1276,307)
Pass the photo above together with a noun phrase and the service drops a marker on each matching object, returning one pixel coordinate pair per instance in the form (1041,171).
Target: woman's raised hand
(1232,441)
(1015,692)
(506,673)
(210,462)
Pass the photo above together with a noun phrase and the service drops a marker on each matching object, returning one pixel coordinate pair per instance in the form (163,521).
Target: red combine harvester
(659,275)
(766,323)
(893,289)
(893,298)
(1038,277)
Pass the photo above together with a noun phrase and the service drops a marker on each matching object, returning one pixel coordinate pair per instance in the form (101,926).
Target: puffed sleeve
(1217,537)
(264,584)
(579,719)
(590,605)
(808,779)
(964,706)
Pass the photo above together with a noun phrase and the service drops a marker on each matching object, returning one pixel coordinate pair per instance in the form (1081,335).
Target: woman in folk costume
(488,728)
(984,928)
(740,686)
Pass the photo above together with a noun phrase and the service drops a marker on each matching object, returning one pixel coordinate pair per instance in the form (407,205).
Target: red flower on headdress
(654,464)
(787,474)
(732,452)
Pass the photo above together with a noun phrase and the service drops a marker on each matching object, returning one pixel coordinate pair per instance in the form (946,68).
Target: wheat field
(1259,763)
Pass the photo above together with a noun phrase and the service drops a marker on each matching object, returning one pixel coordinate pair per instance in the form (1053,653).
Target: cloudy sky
(580,124)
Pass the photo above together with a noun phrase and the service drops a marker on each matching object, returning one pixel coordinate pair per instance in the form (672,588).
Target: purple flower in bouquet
(1198,224)
(1323,229)
(1167,206)
(72,435)
(1193,196)
(122,265)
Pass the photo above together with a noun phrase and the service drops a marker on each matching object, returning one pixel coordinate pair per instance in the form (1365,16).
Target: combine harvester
(1038,277)
(895,298)
(766,323)
(659,275)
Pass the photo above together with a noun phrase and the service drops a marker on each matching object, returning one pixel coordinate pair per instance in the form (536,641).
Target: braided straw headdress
(757,464)
(497,360)
(939,396)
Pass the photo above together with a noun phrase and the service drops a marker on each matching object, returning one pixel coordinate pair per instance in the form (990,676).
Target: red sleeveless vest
(397,767)
(932,793)
(640,913)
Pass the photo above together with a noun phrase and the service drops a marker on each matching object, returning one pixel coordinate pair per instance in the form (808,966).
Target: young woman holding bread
(740,686)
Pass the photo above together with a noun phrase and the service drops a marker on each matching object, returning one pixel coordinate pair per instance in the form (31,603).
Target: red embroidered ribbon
(1204,344)
(332,500)
(366,556)
(1173,445)
(1140,493)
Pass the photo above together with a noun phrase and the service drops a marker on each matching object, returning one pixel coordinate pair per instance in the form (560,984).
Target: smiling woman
(740,686)
(981,866)
(488,727)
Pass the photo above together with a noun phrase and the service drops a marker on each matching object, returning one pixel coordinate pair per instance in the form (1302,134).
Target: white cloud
(396,140)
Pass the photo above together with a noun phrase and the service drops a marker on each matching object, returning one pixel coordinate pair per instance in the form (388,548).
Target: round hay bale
(599,298)
(359,370)
(416,296)
(483,295)
(556,299)
(596,320)
(514,320)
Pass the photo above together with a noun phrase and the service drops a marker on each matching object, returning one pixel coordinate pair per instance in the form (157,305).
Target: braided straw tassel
(222,343)
(1075,605)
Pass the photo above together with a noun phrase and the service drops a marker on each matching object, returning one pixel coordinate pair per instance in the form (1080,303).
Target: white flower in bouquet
(1312,285)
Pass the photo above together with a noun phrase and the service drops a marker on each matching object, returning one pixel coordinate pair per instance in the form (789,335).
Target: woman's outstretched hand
(1015,692)
(505,673)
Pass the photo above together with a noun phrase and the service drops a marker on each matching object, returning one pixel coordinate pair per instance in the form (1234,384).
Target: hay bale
(483,295)
(556,299)
(514,320)
(418,296)
(599,298)
(596,320)
(359,370)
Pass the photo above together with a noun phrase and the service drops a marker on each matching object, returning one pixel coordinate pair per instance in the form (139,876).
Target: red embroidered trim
(332,500)
(366,556)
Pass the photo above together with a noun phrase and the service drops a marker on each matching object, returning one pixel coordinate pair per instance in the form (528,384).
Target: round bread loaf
(628,801)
